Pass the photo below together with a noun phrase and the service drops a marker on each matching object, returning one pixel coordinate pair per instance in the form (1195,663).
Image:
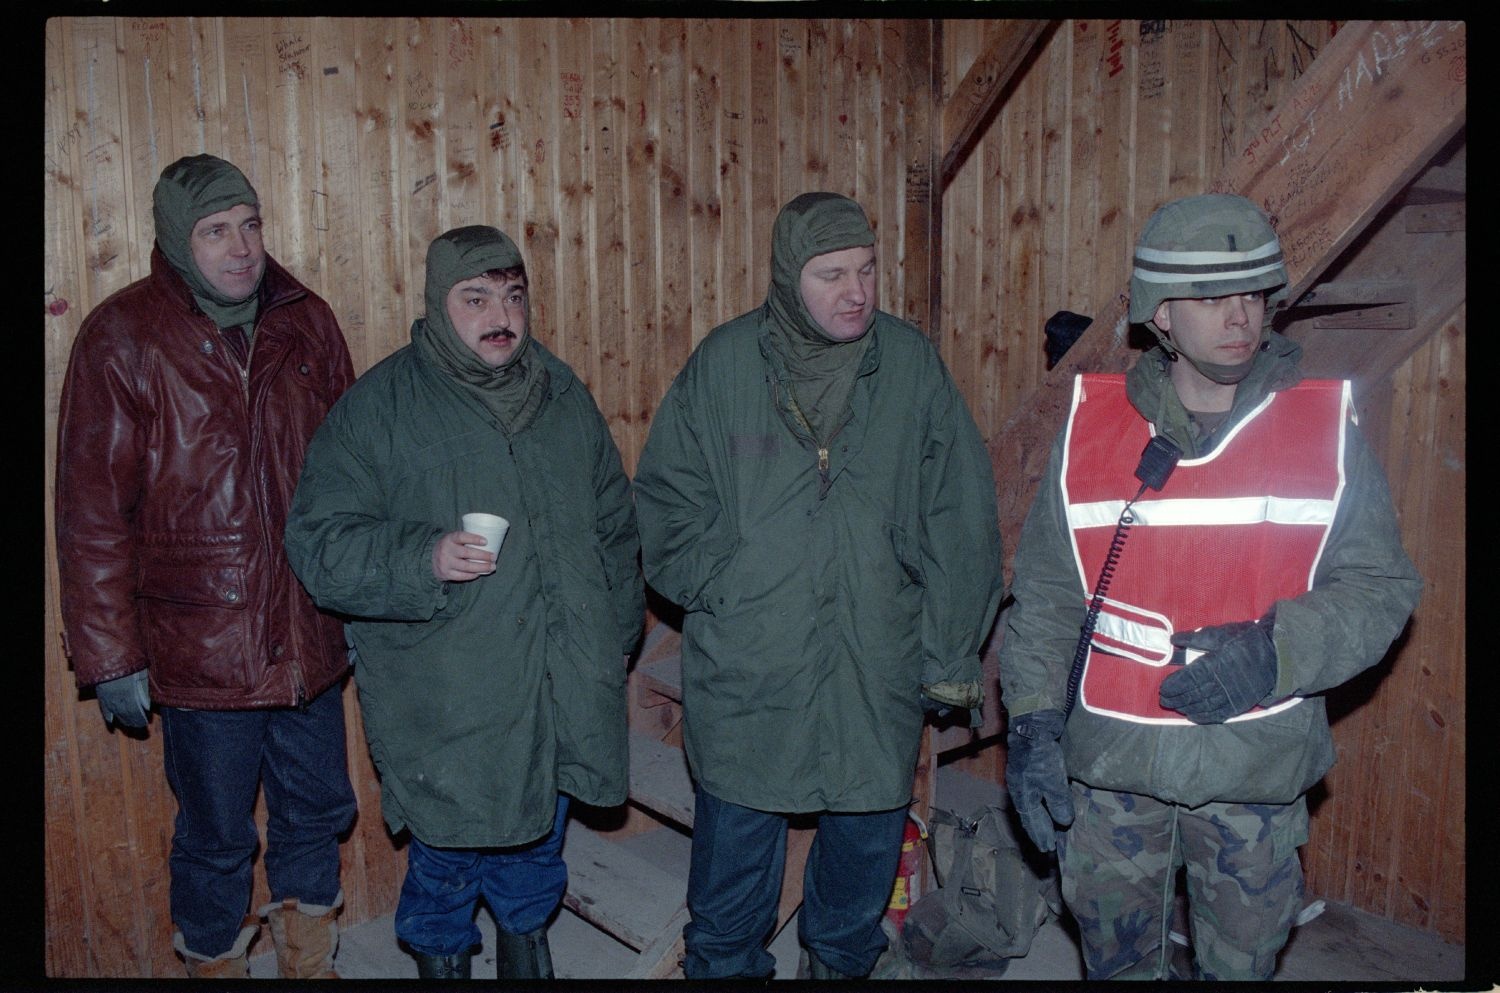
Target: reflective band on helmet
(1205,274)
(1194,258)
(1157,265)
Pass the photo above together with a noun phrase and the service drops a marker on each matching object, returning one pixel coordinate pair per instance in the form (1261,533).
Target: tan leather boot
(306,937)
(233,964)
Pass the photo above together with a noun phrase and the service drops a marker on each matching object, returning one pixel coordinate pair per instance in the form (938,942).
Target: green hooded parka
(484,699)
(819,599)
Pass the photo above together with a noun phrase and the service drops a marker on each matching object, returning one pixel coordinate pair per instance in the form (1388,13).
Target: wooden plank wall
(1390,825)
(638,163)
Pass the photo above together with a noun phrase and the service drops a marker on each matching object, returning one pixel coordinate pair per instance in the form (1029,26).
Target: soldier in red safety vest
(1213,546)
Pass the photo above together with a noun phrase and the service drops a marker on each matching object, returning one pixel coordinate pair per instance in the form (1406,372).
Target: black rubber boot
(455,966)
(522,956)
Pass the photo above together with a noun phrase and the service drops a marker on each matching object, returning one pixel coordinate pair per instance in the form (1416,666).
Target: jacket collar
(868,363)
(560,377)
(1148,384)
(277,288)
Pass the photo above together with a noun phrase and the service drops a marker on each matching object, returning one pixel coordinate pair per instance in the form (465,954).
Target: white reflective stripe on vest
(1231,510)
(1145,637)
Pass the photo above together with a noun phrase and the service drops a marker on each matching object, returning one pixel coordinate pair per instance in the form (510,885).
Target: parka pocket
(204,586)
(906,556)
(194,623)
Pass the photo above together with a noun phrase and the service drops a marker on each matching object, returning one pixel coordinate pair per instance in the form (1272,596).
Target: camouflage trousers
(1119,863)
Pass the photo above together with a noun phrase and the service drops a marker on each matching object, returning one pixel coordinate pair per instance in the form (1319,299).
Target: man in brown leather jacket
(189,401)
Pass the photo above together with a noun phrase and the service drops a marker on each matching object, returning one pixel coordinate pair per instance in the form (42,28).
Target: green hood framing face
(512,392)
(818,369)
(189,190)
(813,224)
(454,256)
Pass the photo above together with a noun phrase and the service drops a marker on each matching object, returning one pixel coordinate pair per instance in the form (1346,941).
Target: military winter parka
(1364,589)
(483,699)
(818,599)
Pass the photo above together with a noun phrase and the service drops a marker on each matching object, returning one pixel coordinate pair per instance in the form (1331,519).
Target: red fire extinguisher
(908,886)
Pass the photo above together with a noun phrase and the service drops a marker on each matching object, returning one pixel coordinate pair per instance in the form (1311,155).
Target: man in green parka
(492,686)
(815,494)
(1265,568)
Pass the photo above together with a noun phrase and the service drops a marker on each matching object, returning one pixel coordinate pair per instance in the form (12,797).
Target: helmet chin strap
(1224,375)
(1216,372)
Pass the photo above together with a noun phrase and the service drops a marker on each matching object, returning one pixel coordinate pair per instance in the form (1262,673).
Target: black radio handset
(1158,459)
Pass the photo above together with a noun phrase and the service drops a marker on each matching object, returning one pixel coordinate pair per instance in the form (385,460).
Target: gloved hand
(1034,774)
(126,700)
(1237,671)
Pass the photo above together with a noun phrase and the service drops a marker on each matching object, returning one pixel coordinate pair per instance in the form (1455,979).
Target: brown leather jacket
(174,473)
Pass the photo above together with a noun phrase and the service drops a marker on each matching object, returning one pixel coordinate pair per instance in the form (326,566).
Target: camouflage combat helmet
(1212,245)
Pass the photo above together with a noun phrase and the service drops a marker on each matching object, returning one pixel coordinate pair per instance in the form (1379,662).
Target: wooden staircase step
(662,675)
(659,666)
(619,892)
(659,779)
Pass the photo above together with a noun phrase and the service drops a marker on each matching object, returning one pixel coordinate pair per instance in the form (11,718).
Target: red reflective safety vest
(1228,535)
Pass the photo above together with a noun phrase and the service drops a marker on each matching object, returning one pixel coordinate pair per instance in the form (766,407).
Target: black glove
(1034,774)
(125,700)
(933,708)
(1237,671)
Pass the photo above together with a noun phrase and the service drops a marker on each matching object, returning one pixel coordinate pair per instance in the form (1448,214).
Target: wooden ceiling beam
(922,245)
(974,101)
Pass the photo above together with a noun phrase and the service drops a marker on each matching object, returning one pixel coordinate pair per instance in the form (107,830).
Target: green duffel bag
(990,900)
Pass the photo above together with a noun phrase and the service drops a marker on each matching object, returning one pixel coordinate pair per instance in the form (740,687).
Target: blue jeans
(734,885)
(522,885)
(215,760)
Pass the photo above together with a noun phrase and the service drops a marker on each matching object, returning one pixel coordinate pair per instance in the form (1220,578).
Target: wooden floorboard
(659,779)
(618,891)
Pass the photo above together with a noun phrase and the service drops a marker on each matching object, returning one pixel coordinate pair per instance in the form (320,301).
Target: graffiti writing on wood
(1282,140)
(1304,248)
(1153,77)
(460,41)
(572,93)
(918,183)
(790,46)
(1303,51)
(500,134)
(1386,46)
(1224,72)
(421,96)
(150,33)
(290,51)
(1114,43)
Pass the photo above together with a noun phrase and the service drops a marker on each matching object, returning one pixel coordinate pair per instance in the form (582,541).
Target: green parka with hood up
(483,699)
(818,600)
(1363,591)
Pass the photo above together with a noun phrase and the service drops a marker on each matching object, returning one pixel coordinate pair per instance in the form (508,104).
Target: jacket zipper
(299,685)
(823,481)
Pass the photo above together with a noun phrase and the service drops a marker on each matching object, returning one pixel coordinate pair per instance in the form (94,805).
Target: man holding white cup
(490,527)
(489,676)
